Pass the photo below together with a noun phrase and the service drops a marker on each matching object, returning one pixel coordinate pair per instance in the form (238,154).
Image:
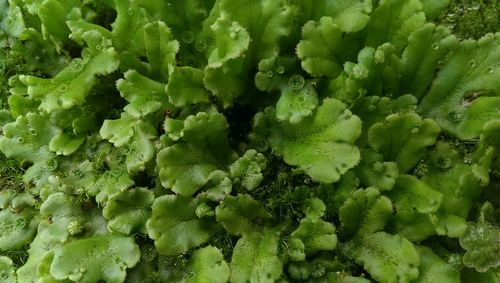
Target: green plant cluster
(248,141)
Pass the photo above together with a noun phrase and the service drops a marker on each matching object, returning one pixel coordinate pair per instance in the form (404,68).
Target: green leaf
(445,171)
(255,258)
(7,270)
(185,86)
(348,15)
(323,48)
(65,144)
(232,41)
(241,214)
(141,148)
(433,8)
(174,226)
(218,186)
(28,137)
(387,258)
(274,72)
(110,183)
(63,217)
(464,95)
(226,61)
(426,51)
(248,169)
(53,15)
(317,235)
(296,104)
(267,22)
(208,265)
(370,75)
(161,48)
(145,96)
(313,144)
(118,131)
(126,211)
(403,138)
(392,21)
(374,172)
(83,260)
(74,83)
(482,244)
(364,212)
(17,229)
(416,204)
(186,166)
(435,269)
(314,208)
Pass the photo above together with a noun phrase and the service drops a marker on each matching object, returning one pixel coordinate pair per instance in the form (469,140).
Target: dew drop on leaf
(270,74)
(52,164)
(63,88)
(280,70)
(435,46)
(472,63)
(21,222)
(20,140)
(296,82)
(32,132)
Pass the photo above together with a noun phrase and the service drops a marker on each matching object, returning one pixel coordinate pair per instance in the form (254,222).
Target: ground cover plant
(249,141)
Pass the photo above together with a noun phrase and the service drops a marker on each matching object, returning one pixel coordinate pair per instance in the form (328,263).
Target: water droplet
(270,74)
(21,222)
(472,63)
(415,130)
(455,117)
(187,37)
(78,64)
(280,70)
(52,164)
(20,140)
(130,11)
(32,132)
(63,88)
(490,70)
(296,82)
(443,162)
(98,47)
(435,46)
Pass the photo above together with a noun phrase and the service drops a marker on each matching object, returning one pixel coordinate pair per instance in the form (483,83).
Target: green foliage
(172,215)
(249,141)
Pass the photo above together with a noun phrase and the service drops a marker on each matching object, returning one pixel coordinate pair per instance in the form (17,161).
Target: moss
(471,18)
(11,174)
